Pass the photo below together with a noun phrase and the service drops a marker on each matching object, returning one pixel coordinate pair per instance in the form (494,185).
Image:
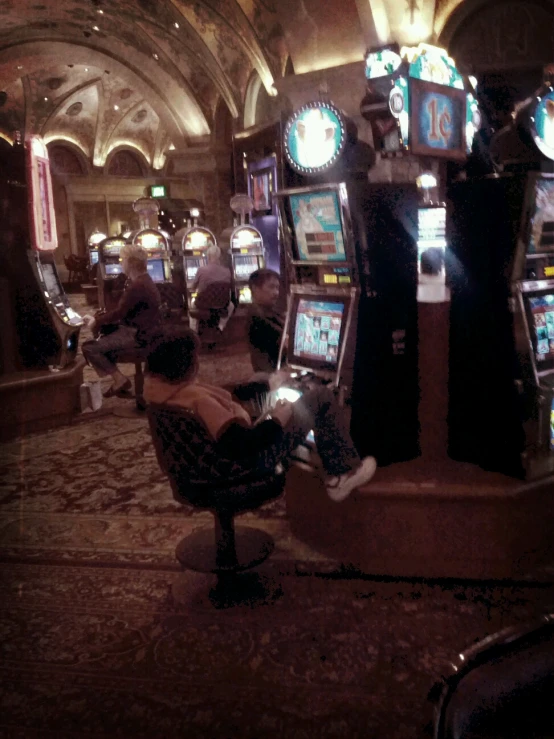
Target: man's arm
(131,296)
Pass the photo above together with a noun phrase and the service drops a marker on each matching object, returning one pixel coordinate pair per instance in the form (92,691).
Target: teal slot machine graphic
(542,123)
(317,225)
(315,137)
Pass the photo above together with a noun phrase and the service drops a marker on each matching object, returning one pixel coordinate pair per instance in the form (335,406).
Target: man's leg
(102,354)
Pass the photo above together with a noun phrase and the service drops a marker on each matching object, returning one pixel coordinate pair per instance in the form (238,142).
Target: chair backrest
(215,296)
(186,451)
(502,687)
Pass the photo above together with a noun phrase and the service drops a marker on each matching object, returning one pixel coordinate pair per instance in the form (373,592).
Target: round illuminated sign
(542,124)
(315,137)
(396,102)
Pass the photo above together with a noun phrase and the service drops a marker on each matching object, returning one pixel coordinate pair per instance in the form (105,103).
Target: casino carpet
(103,636)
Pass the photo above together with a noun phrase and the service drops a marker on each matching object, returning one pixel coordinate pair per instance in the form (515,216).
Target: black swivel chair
(501,688)
(198,477)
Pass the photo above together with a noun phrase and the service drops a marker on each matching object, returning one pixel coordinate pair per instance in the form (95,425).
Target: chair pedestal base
(198,551)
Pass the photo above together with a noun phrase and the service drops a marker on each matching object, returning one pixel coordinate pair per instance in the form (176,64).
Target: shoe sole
(368,471)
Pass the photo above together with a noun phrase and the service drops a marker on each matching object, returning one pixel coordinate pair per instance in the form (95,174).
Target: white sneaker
(339,488)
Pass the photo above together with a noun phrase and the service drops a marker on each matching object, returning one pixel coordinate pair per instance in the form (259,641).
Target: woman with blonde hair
(135,323)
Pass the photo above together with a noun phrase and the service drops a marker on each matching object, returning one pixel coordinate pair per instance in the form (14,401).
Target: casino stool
(501,687)
(77,268)
(173,303)
(198,477)
(209,308)
(137,357)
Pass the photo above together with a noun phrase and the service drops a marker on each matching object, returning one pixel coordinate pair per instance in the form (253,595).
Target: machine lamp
(195,213)
(426,181)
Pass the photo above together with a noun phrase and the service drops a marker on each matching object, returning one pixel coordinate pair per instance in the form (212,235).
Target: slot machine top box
(419,103)
(197,239)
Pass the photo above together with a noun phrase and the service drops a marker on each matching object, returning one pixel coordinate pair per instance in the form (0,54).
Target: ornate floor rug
(102,635)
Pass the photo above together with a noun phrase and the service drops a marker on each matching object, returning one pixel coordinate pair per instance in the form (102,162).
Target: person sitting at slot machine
(258,447)
(265,321)
(135,323)
(207,275)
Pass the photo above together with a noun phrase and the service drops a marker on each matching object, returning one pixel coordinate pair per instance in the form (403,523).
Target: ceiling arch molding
(134,152)
(251,99)
(94,83)
(76,151)
(179,111)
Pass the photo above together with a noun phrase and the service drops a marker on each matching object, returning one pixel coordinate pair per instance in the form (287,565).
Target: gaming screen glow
(542,312)
(317,330)
(155,268)
(317,226)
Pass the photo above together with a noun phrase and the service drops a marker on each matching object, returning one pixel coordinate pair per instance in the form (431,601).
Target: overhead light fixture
(95,28)
(116,107)
(156,57)
(45,100)
(20,66)
(86,69)
(176,25)
(100,12)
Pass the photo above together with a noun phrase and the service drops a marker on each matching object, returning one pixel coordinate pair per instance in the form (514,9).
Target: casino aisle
(103,635)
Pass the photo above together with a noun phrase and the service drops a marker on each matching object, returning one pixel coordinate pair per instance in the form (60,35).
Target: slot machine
(92,250)
(159,257)
(196,242)
(61,324)
(247,255)
(321,318)
(534,293)
(110,276)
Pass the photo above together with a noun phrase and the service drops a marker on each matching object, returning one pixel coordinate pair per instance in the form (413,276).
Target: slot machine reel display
(196,242)
(64,323)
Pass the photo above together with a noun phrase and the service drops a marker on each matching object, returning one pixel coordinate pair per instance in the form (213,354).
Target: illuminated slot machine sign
(155,243)
(44,236)
(431,235)
(315,137)
(542,121)
(418,102)
(540,316)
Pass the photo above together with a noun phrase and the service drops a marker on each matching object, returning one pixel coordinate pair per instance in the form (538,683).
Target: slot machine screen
(192,268)
(552,425)
(94,256)
(244,266)
(114,269)
(52,282)
(540,314)
(155,268)
(317,324)
(317,225)
(541,236)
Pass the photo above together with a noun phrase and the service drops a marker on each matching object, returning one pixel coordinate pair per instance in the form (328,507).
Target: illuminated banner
(437,120)
(44,236)
(315,137)
(542,124)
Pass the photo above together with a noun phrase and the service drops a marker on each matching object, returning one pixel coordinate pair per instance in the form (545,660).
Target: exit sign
(158,191)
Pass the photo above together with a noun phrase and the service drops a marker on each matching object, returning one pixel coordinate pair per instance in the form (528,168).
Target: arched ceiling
(150,73)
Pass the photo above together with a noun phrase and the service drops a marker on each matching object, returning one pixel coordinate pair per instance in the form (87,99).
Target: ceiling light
(100,12)
(156,57)
(95,28)
(46,100)
(20,66)
(116,107)
(86,69)
(176,25)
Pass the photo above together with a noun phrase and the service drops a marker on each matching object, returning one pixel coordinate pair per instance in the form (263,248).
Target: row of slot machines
(245,255)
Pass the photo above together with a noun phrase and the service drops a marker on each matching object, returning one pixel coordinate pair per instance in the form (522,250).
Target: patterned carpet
(102,635)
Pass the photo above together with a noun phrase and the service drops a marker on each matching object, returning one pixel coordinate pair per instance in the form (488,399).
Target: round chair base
(198,551)
(129,411)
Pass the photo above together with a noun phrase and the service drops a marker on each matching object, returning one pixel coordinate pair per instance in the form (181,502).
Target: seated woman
(258,448)
(137,319)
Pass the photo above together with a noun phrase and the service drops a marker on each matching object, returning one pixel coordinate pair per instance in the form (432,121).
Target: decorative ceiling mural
(151,73)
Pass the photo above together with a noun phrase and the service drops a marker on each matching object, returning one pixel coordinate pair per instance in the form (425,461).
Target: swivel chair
(501,688)
(200,478)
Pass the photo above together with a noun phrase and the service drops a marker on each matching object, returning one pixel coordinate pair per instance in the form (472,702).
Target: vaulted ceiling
(151,74)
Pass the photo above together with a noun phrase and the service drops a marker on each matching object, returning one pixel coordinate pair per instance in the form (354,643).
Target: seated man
(258,448)
(208,274)
(136,322)
(265,322)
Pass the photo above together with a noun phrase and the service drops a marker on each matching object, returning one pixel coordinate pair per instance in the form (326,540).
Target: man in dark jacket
(137,318)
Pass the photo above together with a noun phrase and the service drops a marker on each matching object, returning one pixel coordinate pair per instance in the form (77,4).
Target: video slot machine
(196,242)
(159,257)
(534,292)
(110,276)
(321,318)
(92,250)
(63,322)
(247,254)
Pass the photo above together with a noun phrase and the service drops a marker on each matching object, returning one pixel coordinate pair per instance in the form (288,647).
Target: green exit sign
(158,191)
